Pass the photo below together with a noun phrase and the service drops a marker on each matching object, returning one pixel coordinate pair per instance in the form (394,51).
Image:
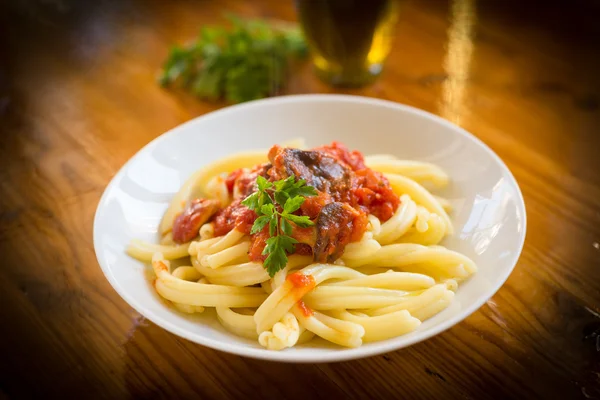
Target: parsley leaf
(286,227)
(268,210)
(262,183)
(287,243)
(245,62)
(276,248)
(252,201)
(276,259)
(273,226)
(259,224)
(287,183)
(292,204)
(305,191)
(301,221)
(281,197)
(275,203)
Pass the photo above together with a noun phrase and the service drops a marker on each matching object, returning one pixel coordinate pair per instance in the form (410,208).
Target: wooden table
(78,98)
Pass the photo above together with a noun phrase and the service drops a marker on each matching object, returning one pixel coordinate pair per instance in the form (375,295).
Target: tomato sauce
(354,159)
(304,309)
(236,215)
(257,245)
(188,222)
(302,281)
(339,175)
(232,178)
(301,284)
(312,205)
(372,191)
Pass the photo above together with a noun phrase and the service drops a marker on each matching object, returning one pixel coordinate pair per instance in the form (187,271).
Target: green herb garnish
(275,202)
(246,62)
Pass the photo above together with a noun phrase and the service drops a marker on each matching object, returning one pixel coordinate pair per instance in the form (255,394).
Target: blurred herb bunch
(246,62)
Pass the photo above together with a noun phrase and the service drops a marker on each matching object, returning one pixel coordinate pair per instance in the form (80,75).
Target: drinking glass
(349,39)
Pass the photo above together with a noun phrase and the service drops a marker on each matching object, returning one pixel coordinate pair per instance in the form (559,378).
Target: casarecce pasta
(367,266)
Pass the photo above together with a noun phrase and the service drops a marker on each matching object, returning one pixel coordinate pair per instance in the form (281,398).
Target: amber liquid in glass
(349,39)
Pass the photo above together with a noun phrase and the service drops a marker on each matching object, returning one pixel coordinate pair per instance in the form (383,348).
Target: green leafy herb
(275,203)
(246,62)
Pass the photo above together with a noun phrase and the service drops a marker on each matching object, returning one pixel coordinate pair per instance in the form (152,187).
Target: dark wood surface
(78,98)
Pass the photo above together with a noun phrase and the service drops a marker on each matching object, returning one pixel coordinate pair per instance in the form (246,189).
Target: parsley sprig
(246,62)
(275,203)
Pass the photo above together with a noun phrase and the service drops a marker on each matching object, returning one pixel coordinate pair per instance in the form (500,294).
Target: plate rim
(343,354)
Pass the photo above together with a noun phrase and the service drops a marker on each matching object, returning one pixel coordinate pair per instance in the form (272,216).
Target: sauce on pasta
(348,191)
(304,309)
(301,281)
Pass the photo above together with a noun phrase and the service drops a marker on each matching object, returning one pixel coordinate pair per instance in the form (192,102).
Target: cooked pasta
(363,261)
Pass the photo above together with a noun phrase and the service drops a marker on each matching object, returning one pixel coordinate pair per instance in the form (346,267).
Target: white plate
(489,213)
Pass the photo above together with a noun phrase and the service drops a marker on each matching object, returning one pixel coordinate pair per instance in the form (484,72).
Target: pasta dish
(291,243)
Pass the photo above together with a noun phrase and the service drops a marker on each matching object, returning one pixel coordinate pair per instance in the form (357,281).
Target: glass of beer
(349,39)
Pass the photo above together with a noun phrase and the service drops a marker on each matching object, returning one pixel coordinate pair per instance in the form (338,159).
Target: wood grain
(78,98)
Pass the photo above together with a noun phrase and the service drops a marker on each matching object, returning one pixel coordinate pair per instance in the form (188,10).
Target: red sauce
(339,175)
(258,243)
(246,182)
(302,284)
(312,205)
(236,216)
(359,227)
(188,222)
(231,178)
(372,191)
(354,159)
(300,280)
(304,309)
(161,266)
